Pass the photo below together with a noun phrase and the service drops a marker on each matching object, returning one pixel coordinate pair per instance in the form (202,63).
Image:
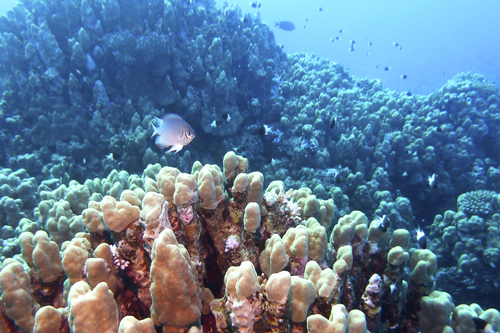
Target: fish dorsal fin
(171,116)
(158,123)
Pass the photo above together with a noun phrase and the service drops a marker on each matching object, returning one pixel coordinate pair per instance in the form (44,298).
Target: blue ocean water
(5,5)
(438,39)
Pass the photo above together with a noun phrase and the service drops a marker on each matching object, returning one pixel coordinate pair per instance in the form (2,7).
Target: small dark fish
(396,44)
(307,19)
(320,9)
(338,179)
(376,66)
(370,44)
(265,130)
(479,323)
(253,4)
(408,93)
(386,68)
(340,31)
(383,223)
(400,47)
(333,39)
(333,122)
(258,6)
(261,130)
(285,25)
(337,38)
(482,326)
(351,48)
(404,76)
(218,122)
(225,116)
(353,42)
(421,238)
(422,243)
(304,26)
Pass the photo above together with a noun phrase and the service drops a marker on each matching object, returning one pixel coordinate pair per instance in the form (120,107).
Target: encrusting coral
(214,251)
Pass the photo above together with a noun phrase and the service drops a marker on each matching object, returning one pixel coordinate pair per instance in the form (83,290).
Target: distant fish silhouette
(285,25)
(333,122)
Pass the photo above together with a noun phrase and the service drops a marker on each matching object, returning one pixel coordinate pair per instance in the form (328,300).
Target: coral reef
(192,252)
(81,82)
(69,69)
(467,245)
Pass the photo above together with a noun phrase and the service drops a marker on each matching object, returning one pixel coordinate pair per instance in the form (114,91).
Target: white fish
(268,130)
(110,156)
(173,131)
(382,222)
(432,181)
(393,287)
(420,233)
(213,124)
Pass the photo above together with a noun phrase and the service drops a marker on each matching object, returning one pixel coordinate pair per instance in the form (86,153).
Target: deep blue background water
(6,5)
(439,38)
